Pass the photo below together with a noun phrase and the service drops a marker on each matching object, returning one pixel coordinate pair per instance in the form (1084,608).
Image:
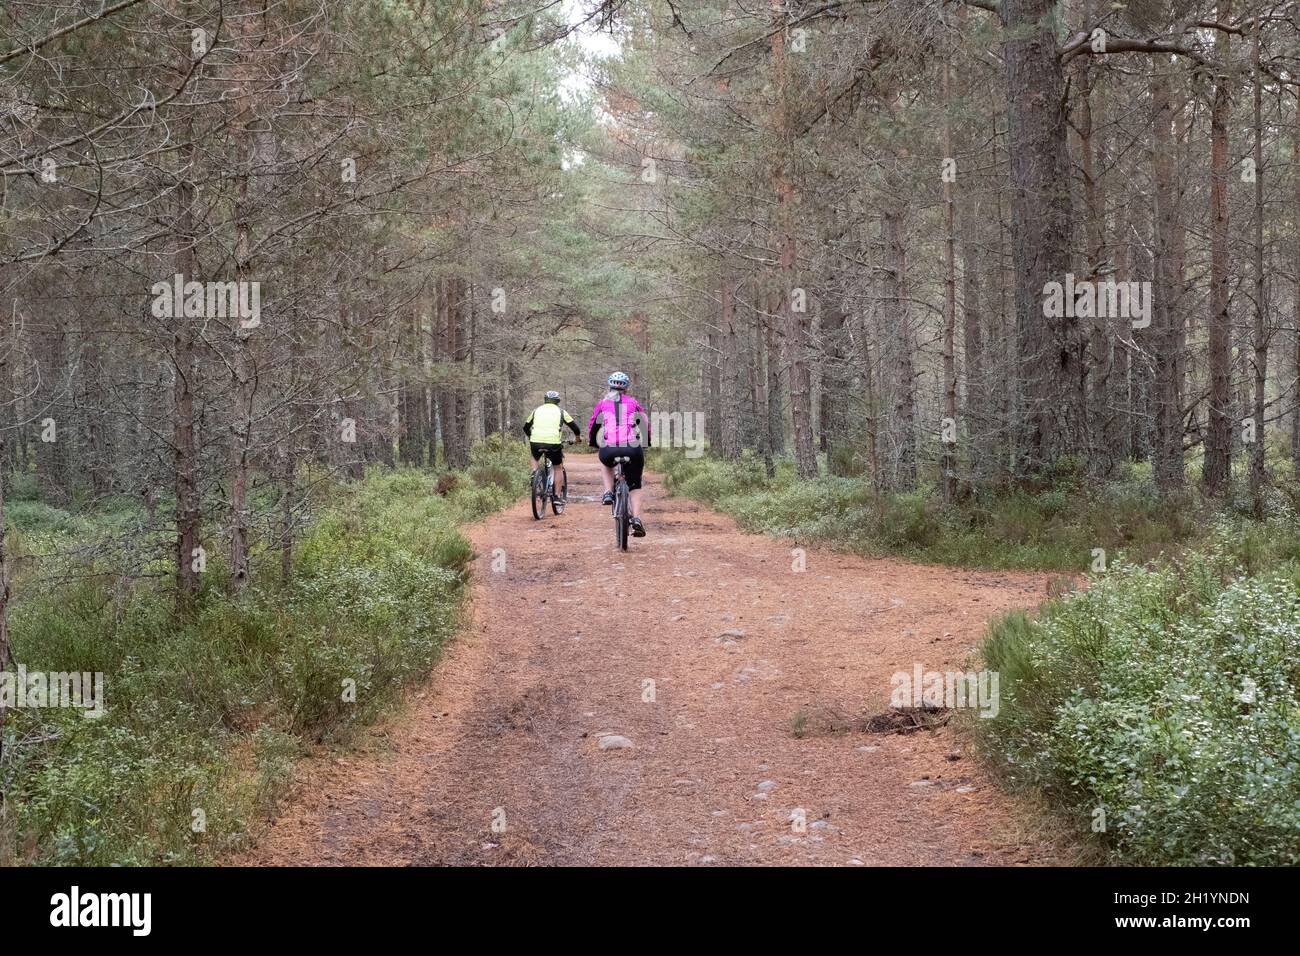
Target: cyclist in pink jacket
(616,418)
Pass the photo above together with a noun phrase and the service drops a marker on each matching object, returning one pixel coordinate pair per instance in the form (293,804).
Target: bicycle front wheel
(559,501)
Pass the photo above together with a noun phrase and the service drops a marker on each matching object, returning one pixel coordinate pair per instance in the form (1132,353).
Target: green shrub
(207,714)
(1051,528)
(26,515)
(1167,699)
(485,475)
(22,486)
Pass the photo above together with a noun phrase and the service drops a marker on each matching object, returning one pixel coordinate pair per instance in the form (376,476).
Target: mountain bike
(543,489)
(622,505)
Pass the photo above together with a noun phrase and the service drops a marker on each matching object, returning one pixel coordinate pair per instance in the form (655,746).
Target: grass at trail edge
(205,717)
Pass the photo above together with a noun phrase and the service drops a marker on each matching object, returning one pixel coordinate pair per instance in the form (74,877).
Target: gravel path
(605,708)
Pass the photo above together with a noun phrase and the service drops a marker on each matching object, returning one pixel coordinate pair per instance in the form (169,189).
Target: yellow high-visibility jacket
(546,423)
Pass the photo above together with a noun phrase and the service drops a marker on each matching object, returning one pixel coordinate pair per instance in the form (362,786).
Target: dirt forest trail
(737,643)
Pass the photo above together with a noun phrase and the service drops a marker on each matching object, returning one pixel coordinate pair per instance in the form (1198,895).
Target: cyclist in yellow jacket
(544,428)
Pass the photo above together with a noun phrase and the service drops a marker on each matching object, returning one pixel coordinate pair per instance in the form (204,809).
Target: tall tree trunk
(55,424)
(434,351)
(1260,336)
(11,412)
(1050,348)
(5,654)
(948,464)
(185,362)
(1167,457)
(454,412)
(241,366)
(1104,330)
(765,392)
(902,473)
(794,315)
(411,412)
(352,318)
(977,430)
(473,410)
(1295,303)
(1216,469)
(442,320)
(729,385)
(772,360)
(711,377)
(872,401)
(100,464)
(1119,423)
(289,450)
(1006,410)
(836,385)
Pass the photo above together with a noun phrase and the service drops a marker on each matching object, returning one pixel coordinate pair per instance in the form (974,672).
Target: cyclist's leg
(607,455)
(557,461)
(632,471)
(536,454)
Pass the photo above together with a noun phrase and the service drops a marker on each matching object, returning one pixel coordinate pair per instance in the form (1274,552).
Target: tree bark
(1050,348)
(454,423)
(772,360)
(241,367)
(1167,458)
(6,655)
(1260,331)
(795,320)
(1295,304)
(1217,466)
(729,385)
(902,473)
(948,464)
(185,363)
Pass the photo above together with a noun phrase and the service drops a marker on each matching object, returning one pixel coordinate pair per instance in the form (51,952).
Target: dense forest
(874,200)
(252,251)
(829,227)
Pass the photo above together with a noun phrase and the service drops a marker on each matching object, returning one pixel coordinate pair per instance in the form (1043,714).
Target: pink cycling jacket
(618,421)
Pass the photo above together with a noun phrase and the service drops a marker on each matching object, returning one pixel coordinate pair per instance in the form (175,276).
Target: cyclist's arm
(568,420)
(645,420)
(528,423)
(591,426)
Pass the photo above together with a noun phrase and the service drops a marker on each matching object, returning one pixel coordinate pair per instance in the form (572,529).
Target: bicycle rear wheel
(537,495)
(622,515)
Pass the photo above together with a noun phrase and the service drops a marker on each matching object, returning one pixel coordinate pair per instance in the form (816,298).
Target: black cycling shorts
(555,453)
(632,468)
